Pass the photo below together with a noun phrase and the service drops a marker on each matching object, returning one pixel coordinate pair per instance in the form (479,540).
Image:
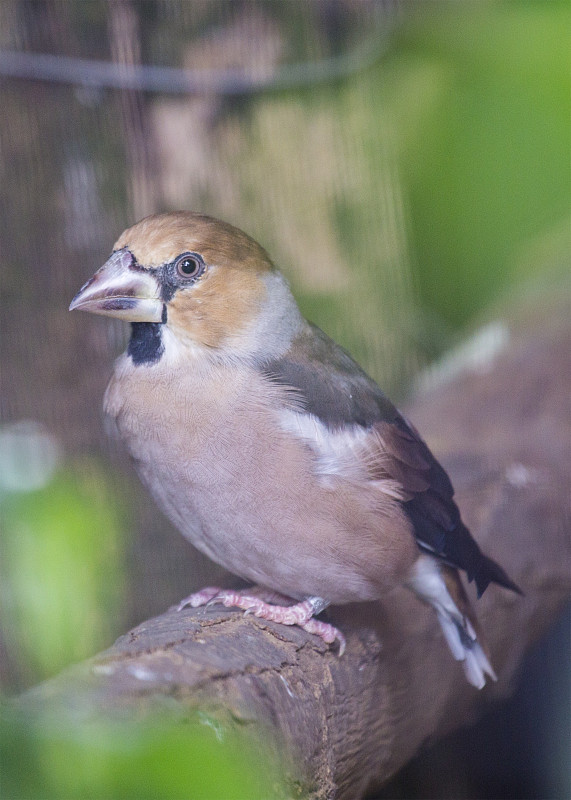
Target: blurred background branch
(169,80)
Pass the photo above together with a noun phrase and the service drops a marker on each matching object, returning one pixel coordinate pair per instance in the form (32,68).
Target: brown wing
(429,503)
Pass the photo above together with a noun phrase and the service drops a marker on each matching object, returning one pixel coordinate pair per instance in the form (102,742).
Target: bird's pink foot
(326,631)
(257,603)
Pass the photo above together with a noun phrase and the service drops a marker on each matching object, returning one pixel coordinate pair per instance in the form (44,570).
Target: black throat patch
(146,343)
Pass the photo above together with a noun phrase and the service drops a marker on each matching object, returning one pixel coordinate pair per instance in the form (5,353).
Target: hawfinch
(268,447)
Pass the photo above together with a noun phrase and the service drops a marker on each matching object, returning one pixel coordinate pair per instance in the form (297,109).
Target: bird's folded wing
(357,433)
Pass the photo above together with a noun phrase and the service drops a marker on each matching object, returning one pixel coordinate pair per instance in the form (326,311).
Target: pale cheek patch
(179,348)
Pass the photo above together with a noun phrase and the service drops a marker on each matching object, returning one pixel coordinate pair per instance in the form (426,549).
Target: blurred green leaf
(61,569)
(54,757)
(482,100)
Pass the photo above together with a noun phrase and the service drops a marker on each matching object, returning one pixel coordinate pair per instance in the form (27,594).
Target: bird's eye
(188,265)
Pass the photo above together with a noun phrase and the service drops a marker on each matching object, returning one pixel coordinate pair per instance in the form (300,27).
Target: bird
(269,448)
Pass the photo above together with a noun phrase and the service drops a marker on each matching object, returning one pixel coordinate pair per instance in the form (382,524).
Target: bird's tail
(488,571)
(440,586)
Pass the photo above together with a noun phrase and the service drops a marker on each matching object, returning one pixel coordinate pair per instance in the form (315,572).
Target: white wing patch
(347,452)
(338,452)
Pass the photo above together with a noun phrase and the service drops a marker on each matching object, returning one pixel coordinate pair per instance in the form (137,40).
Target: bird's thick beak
(120,289)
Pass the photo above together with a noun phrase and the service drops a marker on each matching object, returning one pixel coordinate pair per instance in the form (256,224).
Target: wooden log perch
(502,428)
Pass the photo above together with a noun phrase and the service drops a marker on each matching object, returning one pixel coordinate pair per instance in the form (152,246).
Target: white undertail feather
(428,583)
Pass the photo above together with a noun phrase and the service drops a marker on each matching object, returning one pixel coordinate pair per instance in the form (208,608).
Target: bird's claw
(329,633)
(300,613)
(202,598)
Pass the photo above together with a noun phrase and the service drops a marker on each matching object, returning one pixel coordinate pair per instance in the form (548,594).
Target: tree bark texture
(501,425)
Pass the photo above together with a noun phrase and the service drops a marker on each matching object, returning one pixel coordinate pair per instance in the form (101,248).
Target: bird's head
(212,285)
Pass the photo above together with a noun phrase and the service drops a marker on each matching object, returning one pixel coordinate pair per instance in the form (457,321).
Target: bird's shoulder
(331,385)
(348,413)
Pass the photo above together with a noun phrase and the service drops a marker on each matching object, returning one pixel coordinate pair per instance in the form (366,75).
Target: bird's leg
(262,603)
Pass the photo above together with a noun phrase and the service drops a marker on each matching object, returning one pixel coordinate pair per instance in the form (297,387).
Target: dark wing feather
(333,387)
(439,529)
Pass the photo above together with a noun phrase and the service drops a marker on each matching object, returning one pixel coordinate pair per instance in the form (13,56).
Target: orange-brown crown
(160,238)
